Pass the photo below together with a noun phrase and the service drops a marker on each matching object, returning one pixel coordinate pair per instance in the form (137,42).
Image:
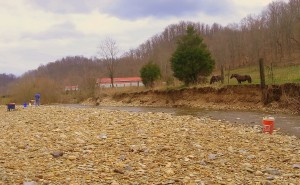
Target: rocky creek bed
(64,145)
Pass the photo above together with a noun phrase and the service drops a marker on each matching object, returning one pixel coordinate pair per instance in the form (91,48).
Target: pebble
(72,157)
(247,165)
(115,183)
(230,149)
(272,171)
(169,171)
(102,136)
(56,154)
(296,166)
(250,170)
(212,156)
(270,178)
(259,173)
(30,183)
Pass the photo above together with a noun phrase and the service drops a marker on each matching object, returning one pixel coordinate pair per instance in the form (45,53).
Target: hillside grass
(281,75)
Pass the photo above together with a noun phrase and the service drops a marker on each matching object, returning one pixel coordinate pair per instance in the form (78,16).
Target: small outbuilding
(71,88)
(119,82)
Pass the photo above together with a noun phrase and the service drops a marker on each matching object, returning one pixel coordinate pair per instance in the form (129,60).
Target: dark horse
(216,78)
(241,78)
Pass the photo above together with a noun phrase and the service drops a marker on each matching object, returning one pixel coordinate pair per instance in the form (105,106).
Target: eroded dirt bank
(283,98)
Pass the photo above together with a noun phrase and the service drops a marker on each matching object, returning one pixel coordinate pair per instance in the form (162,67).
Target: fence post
(262,74)
(262,81)
(272,75)
(228,73)
(222,74)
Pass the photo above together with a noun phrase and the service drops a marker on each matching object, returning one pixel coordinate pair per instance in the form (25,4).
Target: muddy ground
(284,98)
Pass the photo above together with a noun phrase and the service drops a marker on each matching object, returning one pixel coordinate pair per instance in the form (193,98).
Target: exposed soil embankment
(240,97)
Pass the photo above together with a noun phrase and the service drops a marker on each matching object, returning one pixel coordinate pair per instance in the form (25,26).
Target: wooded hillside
(273,35)
(5,80)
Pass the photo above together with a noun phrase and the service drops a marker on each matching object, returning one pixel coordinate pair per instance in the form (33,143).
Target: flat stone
(30,183)
(259,173)
(56,154)
(296,166)
(72,157)
(212,156)
(272,171)
(270,178)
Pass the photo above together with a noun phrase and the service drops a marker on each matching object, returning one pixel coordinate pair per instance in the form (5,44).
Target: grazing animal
(216,78)
(241,78)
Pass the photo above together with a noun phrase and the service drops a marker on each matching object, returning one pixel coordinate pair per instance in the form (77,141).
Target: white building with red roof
(71,88)
(120,82)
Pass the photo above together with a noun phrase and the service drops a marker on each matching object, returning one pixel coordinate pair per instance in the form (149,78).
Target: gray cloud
(134,9)
(61,31)
(65,6)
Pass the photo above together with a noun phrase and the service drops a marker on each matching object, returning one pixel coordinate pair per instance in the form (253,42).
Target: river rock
(251,157)
(259,173)
(72,157)
(247,165)
(230,149)
(272,171)
(30,183)
(102,136)
(270,178)
(296,166)
(56,154)
(212,156)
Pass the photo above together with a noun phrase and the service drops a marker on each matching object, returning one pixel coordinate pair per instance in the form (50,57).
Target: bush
(149,73)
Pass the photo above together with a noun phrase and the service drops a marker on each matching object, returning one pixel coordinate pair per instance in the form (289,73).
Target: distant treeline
(5,80)
(273,35)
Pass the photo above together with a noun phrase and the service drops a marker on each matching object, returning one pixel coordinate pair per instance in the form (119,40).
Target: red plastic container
(268,124)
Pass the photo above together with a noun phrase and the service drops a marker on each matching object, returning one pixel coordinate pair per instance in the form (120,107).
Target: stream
(287,124)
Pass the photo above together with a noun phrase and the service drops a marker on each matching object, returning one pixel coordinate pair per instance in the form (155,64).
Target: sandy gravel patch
(62,145)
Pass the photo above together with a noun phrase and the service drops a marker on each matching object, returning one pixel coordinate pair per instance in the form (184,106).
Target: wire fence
(274,75)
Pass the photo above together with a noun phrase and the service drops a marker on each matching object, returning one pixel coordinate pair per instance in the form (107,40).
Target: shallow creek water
(287,124)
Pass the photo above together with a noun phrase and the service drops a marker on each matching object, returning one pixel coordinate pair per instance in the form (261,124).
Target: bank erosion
(279,98)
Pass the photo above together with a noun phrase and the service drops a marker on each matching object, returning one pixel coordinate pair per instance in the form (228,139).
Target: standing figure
(37,97)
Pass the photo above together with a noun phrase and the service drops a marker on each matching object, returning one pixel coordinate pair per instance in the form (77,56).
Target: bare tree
(109,50)
(296,35)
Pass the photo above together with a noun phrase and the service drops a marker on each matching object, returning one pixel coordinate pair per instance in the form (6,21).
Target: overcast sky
(36,32)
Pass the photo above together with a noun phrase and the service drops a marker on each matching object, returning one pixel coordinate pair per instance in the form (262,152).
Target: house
(71,88)
(120,82)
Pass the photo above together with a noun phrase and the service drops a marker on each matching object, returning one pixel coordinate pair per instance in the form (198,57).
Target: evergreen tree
(192,59)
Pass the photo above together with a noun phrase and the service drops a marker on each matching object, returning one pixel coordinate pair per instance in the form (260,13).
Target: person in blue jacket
(37,97)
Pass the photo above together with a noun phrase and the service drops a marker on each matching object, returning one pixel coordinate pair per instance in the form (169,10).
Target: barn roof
(118,80)
(71,86)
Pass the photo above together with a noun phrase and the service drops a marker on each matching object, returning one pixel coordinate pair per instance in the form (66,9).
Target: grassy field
(281,75)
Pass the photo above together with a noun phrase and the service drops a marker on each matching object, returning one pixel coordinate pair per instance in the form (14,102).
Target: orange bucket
(268,124)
